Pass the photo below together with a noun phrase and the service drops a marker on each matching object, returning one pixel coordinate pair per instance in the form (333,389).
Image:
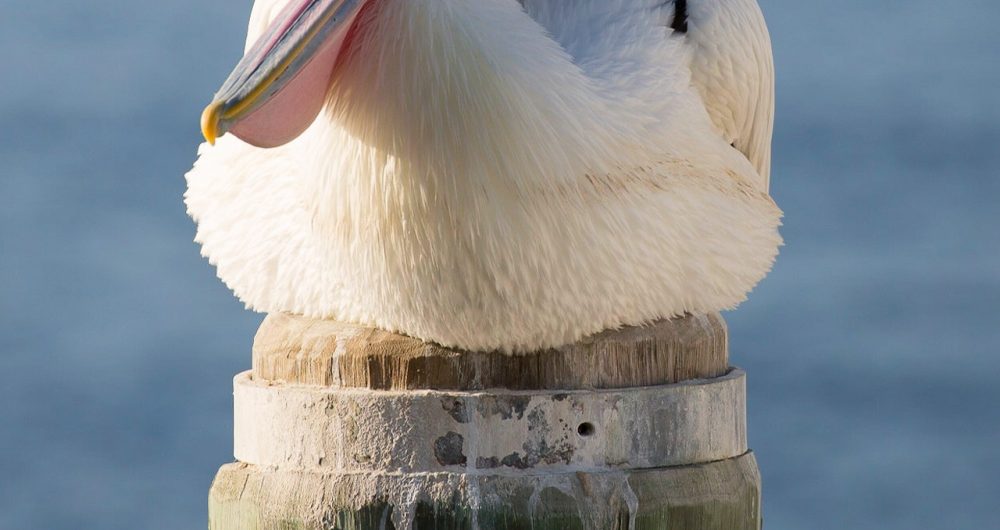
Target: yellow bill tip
(210,121)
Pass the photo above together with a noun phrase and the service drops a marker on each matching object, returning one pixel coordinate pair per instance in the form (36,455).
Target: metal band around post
(357,430)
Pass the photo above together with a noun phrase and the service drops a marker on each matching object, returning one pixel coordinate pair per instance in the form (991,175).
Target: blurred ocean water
(872,348)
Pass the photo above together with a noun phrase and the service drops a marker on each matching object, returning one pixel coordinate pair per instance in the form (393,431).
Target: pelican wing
(733,70)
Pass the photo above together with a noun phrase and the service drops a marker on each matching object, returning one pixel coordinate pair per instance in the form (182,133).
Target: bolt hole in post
(586,429)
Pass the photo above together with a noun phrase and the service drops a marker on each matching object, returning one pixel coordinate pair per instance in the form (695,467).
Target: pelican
(492,174)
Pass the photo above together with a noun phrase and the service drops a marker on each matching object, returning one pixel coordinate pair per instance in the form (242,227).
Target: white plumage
(732,69)
(492,175)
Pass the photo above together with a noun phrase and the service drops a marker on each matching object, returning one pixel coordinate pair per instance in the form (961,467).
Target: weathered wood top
(299,350)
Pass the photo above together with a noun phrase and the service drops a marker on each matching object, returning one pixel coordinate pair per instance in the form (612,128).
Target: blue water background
(872,348)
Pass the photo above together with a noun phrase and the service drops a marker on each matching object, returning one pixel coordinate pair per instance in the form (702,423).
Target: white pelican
(492,174)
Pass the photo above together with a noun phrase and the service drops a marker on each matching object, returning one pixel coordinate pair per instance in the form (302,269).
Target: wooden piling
(350,428)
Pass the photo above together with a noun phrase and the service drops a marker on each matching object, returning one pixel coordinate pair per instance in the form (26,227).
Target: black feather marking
(680,22)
